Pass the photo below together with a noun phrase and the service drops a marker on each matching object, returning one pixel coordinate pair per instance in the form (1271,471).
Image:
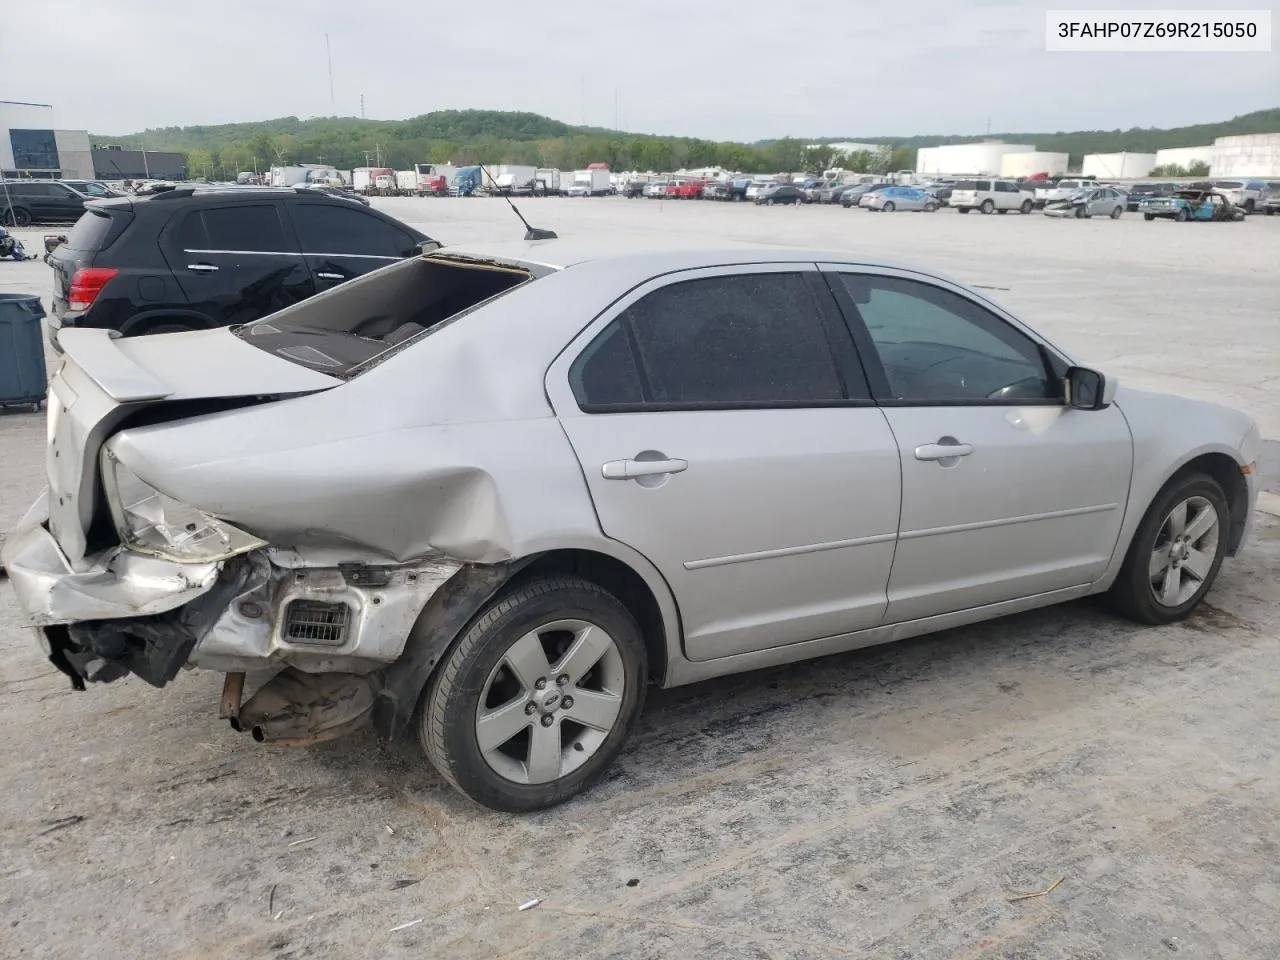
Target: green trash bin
(23,380)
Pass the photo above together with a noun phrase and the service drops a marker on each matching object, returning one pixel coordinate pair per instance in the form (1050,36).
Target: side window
(190,234)
(939,347)
(341,229)
(745,340)
(984,185)
(1001,187)
(253,229)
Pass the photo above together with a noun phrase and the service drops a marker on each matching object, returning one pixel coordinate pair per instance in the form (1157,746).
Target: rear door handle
(202,267)
(629,469)
(330,276)
(943,451)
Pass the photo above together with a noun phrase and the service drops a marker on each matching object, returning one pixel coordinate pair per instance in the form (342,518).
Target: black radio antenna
(530,232)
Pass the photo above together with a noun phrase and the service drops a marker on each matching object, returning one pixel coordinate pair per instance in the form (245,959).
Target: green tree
(818,158)
(859,161)
(1198,169)
(1169,170)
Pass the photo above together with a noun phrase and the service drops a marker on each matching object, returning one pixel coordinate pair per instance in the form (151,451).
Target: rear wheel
(1175,554)
(987,206)
(538,697)
(1115,214)
(17,217)
(888,207)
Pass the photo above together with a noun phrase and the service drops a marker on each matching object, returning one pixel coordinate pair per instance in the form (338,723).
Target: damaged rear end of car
(233,500)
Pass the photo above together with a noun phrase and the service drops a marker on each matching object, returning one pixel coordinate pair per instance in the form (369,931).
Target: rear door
(236,262)
(725,432)
(340,241)
(1006,491)
(64,204)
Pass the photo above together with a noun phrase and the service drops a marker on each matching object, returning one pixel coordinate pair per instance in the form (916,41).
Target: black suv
(193,258)
(24,202)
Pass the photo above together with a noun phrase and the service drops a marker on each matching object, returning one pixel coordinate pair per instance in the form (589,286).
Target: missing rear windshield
(378,314)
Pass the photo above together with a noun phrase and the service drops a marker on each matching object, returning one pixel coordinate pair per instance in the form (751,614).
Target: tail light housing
(86,284)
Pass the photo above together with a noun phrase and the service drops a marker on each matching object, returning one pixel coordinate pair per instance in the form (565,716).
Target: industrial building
(117,163)
(1037,161)
(31,145)
(1251,155)
(986,157)
(1118,166)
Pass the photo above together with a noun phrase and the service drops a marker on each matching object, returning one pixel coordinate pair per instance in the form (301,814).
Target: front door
(725,432)
(341,241)
(1006,492)
(236,263)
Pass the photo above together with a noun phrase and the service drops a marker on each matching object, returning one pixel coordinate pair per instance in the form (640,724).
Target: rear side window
(966,185)
(254,228)
(748,340)
(326,228)
(96,230)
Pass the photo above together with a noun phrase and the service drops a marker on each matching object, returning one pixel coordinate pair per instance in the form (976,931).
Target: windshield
(339,332)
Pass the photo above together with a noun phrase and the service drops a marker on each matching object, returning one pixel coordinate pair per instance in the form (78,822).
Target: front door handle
(202,267)
(943,450)
(630,469)
(330,276)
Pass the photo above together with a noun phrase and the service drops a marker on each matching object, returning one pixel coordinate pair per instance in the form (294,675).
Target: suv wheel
(1027,207)
(987,206)
(17,217)
(1176,552)
(538,697)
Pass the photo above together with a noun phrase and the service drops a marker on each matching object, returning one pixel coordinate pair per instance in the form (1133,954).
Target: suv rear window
(342,330)
(97,230)
(966,185)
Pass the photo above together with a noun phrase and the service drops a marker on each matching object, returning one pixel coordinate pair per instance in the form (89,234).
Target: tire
(987,206)
(1027,207)
(1148,216)
(1182,215)
(962,209)
(930,207)
(888,206)
(1080,214)
(477,671)
(17,217)
(1134,593)
(1249,206)
(769,202)
(1117,213)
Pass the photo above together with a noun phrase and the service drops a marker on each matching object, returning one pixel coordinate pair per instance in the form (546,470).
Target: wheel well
(145,324)
(623,583)
(1227,472)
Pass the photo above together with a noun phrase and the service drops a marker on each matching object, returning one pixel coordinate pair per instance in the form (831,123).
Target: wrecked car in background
(487,497)
(1094,202)
(1191,205)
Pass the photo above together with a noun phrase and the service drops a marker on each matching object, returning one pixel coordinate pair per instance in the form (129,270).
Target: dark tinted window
(938,347)
(34,149)
(190,234)
(91,232)
(605,374)
(966,185)
(339,229)
(755,339)
(254,228)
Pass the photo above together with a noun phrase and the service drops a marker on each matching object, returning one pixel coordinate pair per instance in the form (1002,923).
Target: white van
(999,196)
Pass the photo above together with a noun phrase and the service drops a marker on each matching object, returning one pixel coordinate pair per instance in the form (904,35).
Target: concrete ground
(891,802)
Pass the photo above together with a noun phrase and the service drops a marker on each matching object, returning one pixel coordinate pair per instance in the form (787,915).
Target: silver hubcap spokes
(550,702)
(1184,551)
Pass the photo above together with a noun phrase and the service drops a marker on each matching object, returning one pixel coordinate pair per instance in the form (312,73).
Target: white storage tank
(986,157)
(1118,166)
(1184,156)
(1251,155)
(1035,161)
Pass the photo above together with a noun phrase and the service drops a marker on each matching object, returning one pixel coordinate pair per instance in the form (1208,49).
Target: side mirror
(426,246)
(1088,389)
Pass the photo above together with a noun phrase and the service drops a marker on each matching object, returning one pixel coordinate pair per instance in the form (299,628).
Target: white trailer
(406,182)
(597,181)
(288,176)
(546,181)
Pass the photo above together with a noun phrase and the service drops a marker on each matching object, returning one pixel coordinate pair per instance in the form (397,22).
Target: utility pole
(333,108)
(362,106)
(615,109)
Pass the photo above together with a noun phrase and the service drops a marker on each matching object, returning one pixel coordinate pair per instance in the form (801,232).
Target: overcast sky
(741,69)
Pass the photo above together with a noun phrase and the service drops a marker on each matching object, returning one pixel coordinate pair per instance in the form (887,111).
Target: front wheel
(538,697)
(930,207)
(1182,215)
(1026,207)
(17,217)
(1080,212)
(1175,554)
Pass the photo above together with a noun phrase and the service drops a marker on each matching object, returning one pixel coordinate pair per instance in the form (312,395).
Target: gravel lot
(884,803)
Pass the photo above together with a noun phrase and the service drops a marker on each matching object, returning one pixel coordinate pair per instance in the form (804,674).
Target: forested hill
(495,136)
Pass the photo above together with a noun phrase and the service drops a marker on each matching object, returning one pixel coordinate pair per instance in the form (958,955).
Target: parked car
(24,202)
(1246,195)
(853,196)
(94,189)
(686,189)
(1098,202)
(634,188)
(657,189)
(194,258)
(738,189)
(780,193)
(337,192)
(890,199)
(579,189)
(1191,205)
(756,186)
(1141,191)
(716,190)
(1061,189)
(830,191)
(594,496)
(1271,205)
(941,191)
(990,196)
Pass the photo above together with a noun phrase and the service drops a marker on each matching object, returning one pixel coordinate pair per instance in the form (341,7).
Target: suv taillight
(87,283)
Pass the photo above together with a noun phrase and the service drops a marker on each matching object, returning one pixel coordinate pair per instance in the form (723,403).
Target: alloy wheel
(551,702)
(1184,551)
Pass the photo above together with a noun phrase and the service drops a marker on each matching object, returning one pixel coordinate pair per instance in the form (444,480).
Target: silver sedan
(1097,202)
(487,500)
